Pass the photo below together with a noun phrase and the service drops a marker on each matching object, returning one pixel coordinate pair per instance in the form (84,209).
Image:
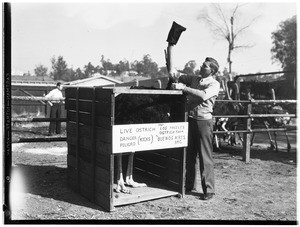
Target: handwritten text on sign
(142,137)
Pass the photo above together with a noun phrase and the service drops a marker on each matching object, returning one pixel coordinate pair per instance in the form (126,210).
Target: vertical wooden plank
(112,166)
(183,155)
(113,102)
(93,169)
(77,140)
(247,136)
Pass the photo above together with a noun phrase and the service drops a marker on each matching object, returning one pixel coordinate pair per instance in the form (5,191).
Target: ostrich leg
(120,180)
(129,174)
(272,145)
(288,142)
(275,139)
(217,142)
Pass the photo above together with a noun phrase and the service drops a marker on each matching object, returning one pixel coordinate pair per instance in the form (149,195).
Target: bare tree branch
(245,27)
(244,46)
(214,26)
(224,27)
(221,14)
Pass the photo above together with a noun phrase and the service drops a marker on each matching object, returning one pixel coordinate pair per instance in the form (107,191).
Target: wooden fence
(36,119)
(23,106)
(246,131)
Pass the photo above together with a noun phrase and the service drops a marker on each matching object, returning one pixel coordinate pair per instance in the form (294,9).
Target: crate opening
(159,170)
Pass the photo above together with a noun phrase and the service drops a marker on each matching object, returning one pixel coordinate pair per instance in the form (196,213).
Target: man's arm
(185,79)
(211,91)
(49,94)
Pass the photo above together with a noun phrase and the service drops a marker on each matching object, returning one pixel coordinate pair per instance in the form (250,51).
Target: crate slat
(104,122)
(72,140)
(103,160)
(85,106)
(85,186)
(103,134)
(85,143)
(100,111)
(85,93)
(85,154)
(103,147)
(71,104)
(104,201)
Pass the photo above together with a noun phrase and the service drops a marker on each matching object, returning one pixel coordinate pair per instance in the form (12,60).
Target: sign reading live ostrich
(142,137)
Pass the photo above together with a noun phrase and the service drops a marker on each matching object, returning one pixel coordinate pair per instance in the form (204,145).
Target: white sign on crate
(142,137)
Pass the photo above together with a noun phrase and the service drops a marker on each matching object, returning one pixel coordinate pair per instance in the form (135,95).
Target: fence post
(247,136)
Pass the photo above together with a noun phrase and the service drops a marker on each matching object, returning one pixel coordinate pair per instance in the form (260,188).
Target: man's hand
(174,73)
(178,86)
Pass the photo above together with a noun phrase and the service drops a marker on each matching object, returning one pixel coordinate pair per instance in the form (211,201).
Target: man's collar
(206,78)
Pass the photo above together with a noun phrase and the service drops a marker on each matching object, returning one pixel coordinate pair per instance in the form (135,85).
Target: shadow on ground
(51,182)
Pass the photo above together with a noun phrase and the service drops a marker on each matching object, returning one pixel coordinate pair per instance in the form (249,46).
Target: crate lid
(129,90)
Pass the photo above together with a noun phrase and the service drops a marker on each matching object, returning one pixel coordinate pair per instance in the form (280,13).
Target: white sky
(82,32)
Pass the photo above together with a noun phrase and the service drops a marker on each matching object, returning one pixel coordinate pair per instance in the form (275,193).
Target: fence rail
(261,101)
(36,98)
(254,130)
(40,139)
(256,115)
(41,119)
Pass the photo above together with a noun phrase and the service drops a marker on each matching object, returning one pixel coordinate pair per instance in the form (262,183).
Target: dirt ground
(261,191)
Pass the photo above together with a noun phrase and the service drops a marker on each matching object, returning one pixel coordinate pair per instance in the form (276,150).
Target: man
(55,111)
(201,94)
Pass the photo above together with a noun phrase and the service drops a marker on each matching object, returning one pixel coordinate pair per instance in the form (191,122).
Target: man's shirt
(202,93)
(55,93)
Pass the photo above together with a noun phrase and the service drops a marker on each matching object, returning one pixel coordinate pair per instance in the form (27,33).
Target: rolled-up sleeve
(211,91)
(185,79)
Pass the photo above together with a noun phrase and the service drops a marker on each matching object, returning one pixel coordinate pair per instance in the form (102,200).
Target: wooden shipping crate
(92,139)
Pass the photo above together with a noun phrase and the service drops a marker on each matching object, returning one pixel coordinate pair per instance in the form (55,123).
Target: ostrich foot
(134,184)
(122,189)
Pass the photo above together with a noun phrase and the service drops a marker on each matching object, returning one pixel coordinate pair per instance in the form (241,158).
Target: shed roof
(31,79)
(94,81)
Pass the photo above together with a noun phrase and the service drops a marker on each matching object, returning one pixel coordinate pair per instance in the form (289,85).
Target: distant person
(55,112)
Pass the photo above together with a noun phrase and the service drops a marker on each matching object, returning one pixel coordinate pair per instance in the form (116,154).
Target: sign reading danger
(142,137)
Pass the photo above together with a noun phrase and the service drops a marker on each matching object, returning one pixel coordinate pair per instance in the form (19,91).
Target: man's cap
(214,64)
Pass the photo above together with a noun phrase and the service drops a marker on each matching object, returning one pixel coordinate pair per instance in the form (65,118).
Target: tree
(137,66)
(150,67)
(224,27)
(40,71)
(89,70)
(27,74)
(162,72)
(285,44)
(284,50)
(59,68)
(106,65)
(69,75)
(79,74)
(122,67)
(146,67)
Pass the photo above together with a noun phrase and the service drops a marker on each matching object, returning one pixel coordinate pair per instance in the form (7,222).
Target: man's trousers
(200,144)
(55,112)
